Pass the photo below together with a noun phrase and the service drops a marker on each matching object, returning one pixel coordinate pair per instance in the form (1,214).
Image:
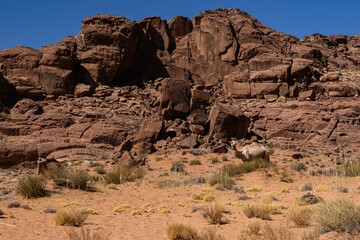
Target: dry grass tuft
(276,233)
(253,189)
(181,231)
(197,196)
(339,215)
(310,235)
(86,235)
(261,211)
(301,217)
(124,173)
(134,213)
(121,208)
(208,198)
(70,218)
(32,186)
(210,234)
(214,213)
(253,229)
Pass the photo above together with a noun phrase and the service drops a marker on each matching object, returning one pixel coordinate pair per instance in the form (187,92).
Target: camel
(251,152)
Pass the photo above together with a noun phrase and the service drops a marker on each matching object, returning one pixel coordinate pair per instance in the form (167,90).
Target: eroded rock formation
(193,82)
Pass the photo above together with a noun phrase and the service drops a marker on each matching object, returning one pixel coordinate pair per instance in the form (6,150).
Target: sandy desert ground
(150,197)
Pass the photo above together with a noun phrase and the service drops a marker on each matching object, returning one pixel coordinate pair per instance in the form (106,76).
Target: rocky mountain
(154,85)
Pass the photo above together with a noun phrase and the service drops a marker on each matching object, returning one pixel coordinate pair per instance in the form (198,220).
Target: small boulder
(82,90)
(189,142)
(126,158)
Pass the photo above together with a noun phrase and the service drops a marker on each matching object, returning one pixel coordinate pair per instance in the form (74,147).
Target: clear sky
(35,23)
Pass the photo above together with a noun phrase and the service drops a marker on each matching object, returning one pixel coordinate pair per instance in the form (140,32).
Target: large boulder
(18,65)
(175,99)
(12,153)
(228,121)
(150,130)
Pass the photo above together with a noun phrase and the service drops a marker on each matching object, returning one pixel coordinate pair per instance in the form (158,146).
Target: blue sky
(39,22)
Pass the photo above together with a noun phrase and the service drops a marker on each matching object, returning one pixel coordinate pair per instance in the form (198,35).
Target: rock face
(227,122)
(225,46)
(142,86)
(7,92)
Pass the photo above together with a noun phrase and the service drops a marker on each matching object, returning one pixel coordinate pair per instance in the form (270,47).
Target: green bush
(100,170)
(177,166)
(195,162)
(124,173)
(222,179)
(32,186)
(78,179)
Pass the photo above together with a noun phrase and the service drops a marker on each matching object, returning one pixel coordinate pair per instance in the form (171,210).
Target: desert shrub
(32,186)
(95,164)
(197,196)
(214,213)
(208,198)
(285,190)
(276,233)
(58,173)
(195,162)
(70,218)
(210,234)
(113,177)
(125,173)
(78,179)
(100,170)
(223,180)
(269,198)
(177,166)
(301,217)
(86,235)
(214,160)
(285,177)
(134,213)
(350,169)
(131,173)
(298,166)
(181,231)
(232,169)
(253,189)
(121,208)
(339,215)
(224,158)
(310,235)
(253,229)
(261,211)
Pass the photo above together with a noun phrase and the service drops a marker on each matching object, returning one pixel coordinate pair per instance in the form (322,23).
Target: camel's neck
(239,154)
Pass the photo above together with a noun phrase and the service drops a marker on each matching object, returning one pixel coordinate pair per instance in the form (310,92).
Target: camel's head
(233,144)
